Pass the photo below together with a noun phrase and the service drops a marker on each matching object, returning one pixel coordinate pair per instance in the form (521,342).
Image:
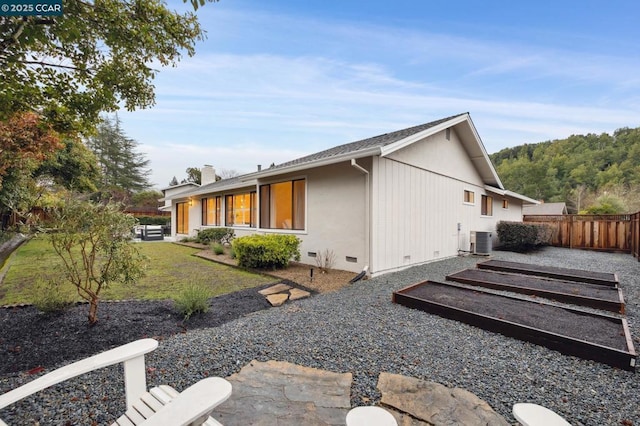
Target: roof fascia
(484,152)
(510,194)
(368,152)
(220,188)
(402,143)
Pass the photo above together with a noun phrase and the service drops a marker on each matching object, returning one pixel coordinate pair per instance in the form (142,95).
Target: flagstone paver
(296,294)
(280,393)
(284,394)
(434,404)
(278,288)
(278,299)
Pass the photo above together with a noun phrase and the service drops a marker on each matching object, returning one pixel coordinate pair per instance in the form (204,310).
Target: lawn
(171,267)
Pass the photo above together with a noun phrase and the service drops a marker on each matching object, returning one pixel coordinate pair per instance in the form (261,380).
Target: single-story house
(554,209)
(382,204)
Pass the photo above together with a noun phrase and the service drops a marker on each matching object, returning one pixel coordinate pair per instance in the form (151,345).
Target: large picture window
(211,211)
(182,218)
(486,209)
(240,209)
(282,205)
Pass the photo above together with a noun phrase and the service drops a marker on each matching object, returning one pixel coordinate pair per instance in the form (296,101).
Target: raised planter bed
(599,337)
(566,274)
(582,294)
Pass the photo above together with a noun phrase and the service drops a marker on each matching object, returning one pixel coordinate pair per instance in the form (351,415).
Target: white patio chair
(536,415)
(370,416)
(161,405)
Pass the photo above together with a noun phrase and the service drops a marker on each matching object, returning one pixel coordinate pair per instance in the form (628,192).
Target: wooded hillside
(591,173)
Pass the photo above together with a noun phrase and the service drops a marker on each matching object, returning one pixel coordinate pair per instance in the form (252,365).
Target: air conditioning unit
(480,242)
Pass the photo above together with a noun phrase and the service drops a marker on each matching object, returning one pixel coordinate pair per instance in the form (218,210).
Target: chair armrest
(194,402)
(131,354)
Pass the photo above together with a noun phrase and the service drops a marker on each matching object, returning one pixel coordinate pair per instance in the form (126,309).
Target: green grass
(171,269)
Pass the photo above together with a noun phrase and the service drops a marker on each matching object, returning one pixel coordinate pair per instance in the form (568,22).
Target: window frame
(298,219)
(229,211)
(505,204)
(217,211)
(469,195)
(486,205)
(182,218)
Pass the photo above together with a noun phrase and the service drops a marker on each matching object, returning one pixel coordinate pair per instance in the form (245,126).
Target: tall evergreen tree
(123,168)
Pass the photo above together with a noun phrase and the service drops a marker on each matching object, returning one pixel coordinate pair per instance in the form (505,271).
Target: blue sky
(276,80)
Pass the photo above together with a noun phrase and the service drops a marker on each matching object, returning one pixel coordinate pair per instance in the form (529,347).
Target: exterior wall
(334,214)
(439,155)
(419,214)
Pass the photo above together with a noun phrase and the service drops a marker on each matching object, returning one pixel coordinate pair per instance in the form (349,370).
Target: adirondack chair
(370,416)
(536,415)
(161,405)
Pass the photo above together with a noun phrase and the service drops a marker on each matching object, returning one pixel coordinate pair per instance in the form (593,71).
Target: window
(182,218)
(505,204)
(240,209)
(469,197)
(486,208)
(211,211)
(282,205)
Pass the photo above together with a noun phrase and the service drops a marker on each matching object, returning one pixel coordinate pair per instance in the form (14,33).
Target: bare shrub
(325,260)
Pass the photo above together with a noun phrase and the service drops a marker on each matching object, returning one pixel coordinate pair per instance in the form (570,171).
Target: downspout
(367,215)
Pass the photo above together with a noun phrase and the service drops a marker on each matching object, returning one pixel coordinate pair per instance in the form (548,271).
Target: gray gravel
(359,330)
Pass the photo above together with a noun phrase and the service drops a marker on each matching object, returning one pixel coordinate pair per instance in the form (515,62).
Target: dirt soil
(582,294)
(594,277)
(578,325)
(322,281)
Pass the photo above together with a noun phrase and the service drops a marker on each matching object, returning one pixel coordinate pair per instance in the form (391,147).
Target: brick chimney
(208,174)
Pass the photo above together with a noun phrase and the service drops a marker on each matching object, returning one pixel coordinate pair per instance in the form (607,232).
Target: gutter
(367,214)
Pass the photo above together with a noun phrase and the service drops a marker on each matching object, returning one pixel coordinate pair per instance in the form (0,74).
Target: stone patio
(281,393)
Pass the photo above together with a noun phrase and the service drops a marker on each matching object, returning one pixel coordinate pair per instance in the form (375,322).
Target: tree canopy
(586,171)
(97,56)
(122,167)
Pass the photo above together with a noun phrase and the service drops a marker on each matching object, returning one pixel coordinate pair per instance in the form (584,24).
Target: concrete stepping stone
(278,288)
(296,293)
(277,299)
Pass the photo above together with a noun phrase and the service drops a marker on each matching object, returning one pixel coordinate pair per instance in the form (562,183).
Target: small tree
(94,242)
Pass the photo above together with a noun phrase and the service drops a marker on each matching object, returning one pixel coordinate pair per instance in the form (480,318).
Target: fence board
(595,232)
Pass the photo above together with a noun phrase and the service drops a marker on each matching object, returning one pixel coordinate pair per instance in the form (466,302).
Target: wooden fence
(615,232)
(635,235)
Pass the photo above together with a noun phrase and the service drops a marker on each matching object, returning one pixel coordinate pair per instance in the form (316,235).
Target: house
(554,209)
(382,204)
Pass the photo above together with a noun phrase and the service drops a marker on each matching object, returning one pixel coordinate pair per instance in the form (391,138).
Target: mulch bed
(30,339)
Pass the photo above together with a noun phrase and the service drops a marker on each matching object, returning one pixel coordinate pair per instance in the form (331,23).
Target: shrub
(520,236)
(217,248)
(266,251)
(51,296)
(93,243)
(325,260)
(215,235)
(193,299)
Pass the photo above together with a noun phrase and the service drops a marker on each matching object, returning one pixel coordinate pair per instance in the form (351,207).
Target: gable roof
(545,209)
(375,142)
(381,145)
(387,143)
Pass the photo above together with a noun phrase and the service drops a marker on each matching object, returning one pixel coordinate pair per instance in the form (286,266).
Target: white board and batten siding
(418,202)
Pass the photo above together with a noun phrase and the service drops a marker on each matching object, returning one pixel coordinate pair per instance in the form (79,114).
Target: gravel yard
(358,329)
